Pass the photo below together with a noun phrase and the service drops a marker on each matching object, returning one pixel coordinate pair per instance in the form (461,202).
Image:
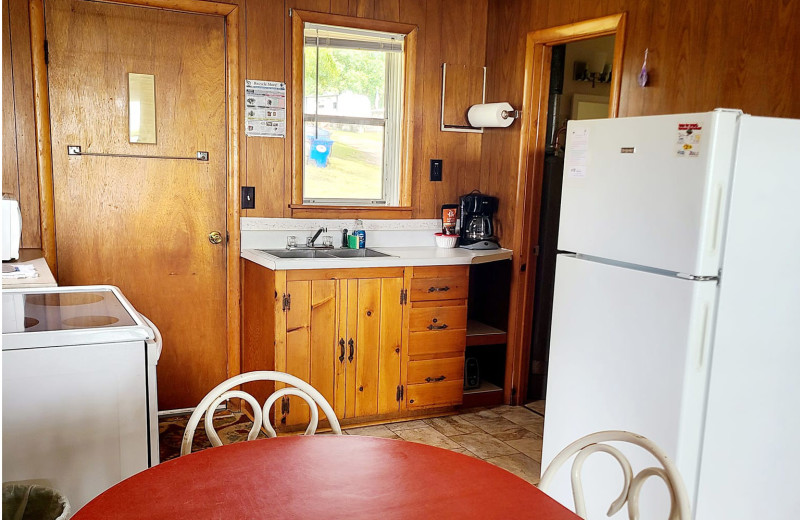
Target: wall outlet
(436,170)
(248,197)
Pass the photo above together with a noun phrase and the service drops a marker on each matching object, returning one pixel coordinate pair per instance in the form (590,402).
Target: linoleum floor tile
(379,430)
(427,435)
(483,445)
(519,464)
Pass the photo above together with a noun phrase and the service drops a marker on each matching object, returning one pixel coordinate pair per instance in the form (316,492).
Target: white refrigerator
(676,310)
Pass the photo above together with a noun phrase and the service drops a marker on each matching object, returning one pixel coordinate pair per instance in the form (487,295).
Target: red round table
(324,476)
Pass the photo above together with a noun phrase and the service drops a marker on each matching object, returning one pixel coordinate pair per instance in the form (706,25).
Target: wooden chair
(223,392)
(585,446)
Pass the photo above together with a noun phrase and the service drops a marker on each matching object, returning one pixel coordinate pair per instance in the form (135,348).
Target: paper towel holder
(507,112)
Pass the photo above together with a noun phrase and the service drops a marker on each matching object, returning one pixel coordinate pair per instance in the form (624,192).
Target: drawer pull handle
(437,327)
(341,344)
(434,379)
(352,350)
(438,289)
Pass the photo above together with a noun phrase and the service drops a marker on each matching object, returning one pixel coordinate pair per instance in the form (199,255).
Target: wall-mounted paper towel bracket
(492,115)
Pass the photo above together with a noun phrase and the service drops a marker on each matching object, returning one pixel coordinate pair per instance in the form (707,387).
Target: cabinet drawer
(442,288)
(436,370)
(427,395)
(437,342)
(438,318)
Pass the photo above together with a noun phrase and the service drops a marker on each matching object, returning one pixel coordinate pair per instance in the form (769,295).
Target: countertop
(400,257)
(31,257)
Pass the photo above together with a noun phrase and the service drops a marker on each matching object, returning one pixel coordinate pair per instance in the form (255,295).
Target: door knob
(215,237)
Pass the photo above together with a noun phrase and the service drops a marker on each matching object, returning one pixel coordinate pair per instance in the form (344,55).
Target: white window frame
(392,44)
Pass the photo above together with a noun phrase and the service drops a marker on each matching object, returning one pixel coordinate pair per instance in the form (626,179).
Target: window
(350,128)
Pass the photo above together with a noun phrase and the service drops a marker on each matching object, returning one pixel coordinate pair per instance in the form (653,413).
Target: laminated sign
(264,108)
(688,144)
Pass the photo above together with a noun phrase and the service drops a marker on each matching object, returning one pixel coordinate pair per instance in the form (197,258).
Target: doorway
(141,215)
(580,88)
(527,238)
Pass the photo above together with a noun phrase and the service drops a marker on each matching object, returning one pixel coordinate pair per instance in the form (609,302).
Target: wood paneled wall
(737,54)
(19,133)
(451,31)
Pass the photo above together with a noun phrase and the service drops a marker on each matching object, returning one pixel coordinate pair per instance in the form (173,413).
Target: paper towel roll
(490,115)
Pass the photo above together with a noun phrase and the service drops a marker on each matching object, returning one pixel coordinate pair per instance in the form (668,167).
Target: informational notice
(577,152)
(265,108)
(688,142)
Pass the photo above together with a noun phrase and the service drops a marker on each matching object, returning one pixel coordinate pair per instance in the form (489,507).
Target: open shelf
(479,333)
(486,386)
(487,394)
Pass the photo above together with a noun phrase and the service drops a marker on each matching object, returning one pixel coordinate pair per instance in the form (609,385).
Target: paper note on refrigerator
(577,152)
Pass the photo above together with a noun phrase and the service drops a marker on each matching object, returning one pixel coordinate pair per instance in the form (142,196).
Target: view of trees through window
(344,108)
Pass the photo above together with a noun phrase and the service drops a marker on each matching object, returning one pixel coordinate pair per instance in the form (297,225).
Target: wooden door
(311,342)
(379,327)
(143,224)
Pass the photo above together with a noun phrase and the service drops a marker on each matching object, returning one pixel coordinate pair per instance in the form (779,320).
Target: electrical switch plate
(436,170)
(248,197)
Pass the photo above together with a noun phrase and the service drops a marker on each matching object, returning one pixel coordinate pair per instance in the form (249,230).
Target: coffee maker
(475,218)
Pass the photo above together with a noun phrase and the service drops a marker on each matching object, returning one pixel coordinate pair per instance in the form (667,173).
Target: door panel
(391,322)
(340,360)
(323,337)
(367,345)
(143,224)
(298,346)
(351,338)
(628,352)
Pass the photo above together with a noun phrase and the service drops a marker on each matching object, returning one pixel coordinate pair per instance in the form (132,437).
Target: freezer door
(628,351)
(633,193)
(753,424)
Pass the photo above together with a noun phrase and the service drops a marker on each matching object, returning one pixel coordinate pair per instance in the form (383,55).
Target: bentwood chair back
(585,446)
(223,392)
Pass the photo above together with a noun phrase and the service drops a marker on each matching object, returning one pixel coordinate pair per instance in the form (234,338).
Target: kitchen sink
(320,253)
(355,253)
(298,253)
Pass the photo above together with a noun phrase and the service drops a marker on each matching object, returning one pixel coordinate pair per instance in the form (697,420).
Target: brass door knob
(215,237)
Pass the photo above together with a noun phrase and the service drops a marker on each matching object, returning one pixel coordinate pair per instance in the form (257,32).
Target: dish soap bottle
(360,234)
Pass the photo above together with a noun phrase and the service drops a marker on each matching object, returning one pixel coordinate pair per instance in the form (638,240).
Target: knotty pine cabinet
(378,343)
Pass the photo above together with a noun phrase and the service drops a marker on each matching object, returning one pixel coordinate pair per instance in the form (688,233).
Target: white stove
(79,389)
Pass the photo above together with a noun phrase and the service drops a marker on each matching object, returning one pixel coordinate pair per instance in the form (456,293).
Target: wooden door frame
(230,13)
(538,53)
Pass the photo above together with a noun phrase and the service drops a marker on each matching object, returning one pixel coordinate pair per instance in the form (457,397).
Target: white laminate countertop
(400,257)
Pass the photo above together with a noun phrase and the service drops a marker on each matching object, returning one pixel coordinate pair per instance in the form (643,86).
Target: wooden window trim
(403,210)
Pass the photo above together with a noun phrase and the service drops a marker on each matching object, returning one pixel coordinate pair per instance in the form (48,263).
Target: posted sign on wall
(264,108)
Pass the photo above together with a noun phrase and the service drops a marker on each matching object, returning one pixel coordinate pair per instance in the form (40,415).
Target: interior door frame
(230,12)
(538,53)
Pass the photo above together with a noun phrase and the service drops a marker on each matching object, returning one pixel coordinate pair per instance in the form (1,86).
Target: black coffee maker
(475,217)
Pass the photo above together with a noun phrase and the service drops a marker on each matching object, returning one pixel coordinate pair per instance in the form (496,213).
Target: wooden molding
(538,53)
(41,114)
(299,19)
(350,212)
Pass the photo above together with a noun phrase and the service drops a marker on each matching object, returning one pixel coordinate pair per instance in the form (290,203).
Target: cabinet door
(368,346)
(390,345)
(311,341)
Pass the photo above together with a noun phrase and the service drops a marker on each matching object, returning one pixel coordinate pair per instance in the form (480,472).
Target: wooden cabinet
(341,331)
(378,343)
(435,331)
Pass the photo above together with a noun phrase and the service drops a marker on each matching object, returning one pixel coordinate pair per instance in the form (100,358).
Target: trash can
(320,151)
(33,502)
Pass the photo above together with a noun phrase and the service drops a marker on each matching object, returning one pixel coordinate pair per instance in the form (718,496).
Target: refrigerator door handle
(717,217)
(701,355)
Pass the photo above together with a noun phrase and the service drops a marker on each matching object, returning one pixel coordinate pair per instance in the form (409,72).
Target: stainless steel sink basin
(297,253)
(355,253)
(326,253)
